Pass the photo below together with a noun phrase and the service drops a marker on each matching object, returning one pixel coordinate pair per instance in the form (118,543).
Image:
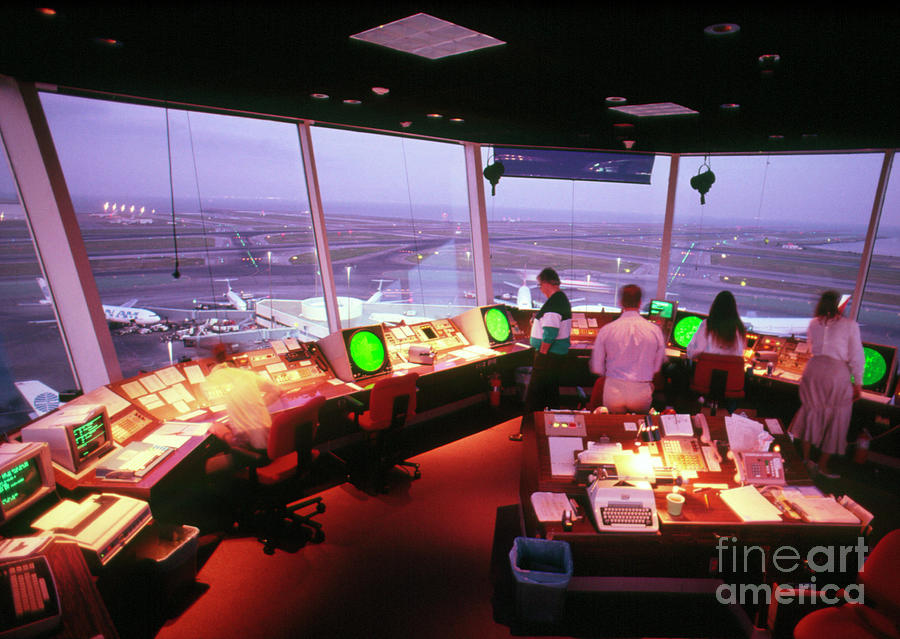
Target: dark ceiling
(836,86)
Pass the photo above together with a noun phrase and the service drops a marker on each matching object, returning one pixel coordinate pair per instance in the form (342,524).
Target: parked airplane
(237,301)
(127,313)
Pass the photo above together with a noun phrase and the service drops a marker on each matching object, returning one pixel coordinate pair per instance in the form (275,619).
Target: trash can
(170,561)
(542,569)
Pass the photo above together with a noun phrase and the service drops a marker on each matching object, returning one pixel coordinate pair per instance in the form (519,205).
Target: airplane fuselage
(130,315)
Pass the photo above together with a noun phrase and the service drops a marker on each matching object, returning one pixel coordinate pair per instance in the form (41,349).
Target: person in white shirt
(246,396)
(628,353)
(722,332)
(826,390)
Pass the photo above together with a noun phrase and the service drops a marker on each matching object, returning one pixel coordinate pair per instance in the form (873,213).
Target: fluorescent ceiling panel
(654,110)
(426,36)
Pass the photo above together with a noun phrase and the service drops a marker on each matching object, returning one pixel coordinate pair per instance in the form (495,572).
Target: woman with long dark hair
(722,332)
(826,390)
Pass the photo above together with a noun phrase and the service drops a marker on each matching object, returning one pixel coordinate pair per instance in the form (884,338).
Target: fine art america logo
(822,561)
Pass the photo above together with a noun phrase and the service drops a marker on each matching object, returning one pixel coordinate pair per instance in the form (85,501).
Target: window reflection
(597,235)
(33,362)
(775,230)
(396,212)
(240,230)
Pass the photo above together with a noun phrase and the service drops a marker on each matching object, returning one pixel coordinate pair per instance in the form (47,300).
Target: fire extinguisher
(862,447)
(496,389)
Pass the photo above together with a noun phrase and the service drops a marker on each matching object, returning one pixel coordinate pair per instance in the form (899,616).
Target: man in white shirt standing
(628,352)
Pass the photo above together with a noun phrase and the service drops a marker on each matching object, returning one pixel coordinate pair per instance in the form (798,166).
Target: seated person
(247,396)
(722,332)
(628,352)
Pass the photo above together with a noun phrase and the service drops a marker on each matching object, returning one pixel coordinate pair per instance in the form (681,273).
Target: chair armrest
(248,457)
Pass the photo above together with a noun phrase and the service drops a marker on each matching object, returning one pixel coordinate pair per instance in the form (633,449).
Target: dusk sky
(115,150)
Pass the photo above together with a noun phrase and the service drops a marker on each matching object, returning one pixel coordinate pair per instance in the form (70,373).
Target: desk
(83,611)
(684,545)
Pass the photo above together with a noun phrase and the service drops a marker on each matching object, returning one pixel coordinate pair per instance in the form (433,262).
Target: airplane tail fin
(42,283)
(845,300)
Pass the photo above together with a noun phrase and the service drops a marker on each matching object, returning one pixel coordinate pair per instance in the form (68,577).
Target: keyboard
(129,425)
(29,602)
(623,508)
(133,461)
(683,453)
(712,459)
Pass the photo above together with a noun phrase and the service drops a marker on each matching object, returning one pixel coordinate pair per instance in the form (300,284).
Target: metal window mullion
(317,213)
(484,287)
(56,235)
(869,246)
(665,250)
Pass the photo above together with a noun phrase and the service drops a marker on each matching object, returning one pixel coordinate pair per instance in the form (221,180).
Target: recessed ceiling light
(435,116)
(723,29)
(769,60)
(730,106)
(614,99)
(46,11)
(319,96)
(112,43)
(426,36)
(380,90)
(655,109)
(351,101)
(406,124)
(457,120)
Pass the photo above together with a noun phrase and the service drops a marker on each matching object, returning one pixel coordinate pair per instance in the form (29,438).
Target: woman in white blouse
(831,382)
(722,332)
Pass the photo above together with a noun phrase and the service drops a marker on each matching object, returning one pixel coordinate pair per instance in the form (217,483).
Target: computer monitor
(662,308)
(357,353)
(486,325)
(26,475)
(881,362)
(686,324)
(77,435)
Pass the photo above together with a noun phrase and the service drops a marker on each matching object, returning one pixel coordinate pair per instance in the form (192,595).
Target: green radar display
(875,367)
(497,324)
(367,351)
(684,330)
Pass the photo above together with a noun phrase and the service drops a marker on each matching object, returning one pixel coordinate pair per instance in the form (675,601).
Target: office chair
(288,457)
(596,399)
(391,403)
(718,377)
(879,615)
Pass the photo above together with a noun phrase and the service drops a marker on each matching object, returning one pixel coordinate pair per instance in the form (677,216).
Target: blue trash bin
(542,569)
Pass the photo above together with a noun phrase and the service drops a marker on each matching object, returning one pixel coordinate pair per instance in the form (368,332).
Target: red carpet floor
(414,562)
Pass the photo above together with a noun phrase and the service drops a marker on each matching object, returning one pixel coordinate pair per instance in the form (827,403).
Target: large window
(396,211)
(775,230)
(241,220)
(598,235)
(879,316)
(33,361)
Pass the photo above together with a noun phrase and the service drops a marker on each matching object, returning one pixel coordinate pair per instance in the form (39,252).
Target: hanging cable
(413,224)
(212,287)
(176,273)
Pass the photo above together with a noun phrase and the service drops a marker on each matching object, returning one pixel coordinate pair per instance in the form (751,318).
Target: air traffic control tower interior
(346,202)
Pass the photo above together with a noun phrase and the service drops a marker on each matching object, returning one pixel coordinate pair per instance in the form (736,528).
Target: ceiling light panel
(655,109)
(428,37)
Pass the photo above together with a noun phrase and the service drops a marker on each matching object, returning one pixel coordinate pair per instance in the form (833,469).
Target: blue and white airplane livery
(125,314)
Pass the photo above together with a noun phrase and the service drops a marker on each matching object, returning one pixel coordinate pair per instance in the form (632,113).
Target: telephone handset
(760,468)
